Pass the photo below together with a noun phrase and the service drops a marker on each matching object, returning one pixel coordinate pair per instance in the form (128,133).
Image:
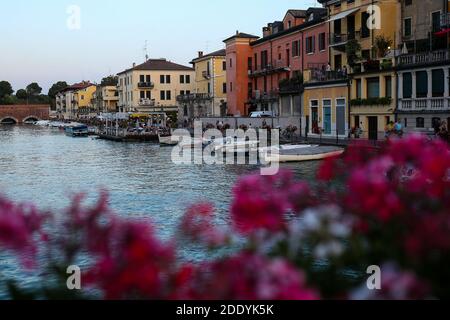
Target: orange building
(239,62)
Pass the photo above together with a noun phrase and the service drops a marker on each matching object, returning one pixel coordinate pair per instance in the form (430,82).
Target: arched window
(420,122)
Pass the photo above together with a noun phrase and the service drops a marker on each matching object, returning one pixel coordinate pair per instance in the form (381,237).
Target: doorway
(373,128)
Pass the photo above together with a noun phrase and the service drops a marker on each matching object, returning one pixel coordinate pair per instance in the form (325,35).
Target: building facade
(75,100)
(271,67)
(210,94)
(423,68)
(106,99)
(153,86)
(239,64)
(362,41)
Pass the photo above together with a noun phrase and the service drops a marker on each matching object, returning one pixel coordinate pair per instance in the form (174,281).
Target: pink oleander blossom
(248,276)
(395,285)
(261,202)
(198,225)
(20,228)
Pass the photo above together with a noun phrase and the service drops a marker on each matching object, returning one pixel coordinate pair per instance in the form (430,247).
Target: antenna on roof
(146,50)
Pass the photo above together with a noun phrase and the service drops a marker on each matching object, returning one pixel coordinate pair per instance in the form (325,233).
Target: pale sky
(36,44)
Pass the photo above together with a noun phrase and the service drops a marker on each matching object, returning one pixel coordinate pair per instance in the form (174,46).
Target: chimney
(200,54)
(134,64)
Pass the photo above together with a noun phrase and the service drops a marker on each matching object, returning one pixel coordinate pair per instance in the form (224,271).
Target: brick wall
(20,113)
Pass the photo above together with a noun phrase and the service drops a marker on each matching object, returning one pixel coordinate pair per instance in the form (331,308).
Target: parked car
(262,114)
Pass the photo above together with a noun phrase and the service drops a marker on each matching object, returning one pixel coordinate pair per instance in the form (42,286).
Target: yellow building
(210,94)
(373,102)
(106,99)
(153,86)
(363,37)
(75,100)
(363,21)
(325,103)
(83,99)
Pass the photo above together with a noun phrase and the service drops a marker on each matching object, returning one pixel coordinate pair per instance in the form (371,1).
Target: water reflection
(45,167)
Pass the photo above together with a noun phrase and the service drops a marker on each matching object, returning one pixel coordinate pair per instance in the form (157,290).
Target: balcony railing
(425,104)
(147,102)
(322,75)
(258,96)
(270,68)
(423,58)
(146,85)
(194,97)
(342,38)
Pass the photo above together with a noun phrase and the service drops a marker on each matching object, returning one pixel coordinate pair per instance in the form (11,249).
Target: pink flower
(136,264)
(395,285)
(248,276)
(261,202)
(198,225)
(19,227)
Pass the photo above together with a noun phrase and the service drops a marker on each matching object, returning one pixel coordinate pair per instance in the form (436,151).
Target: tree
(7,100)
(5,89)
(21,94)
(60,85)
(382,45)
(110,81)
(33,89)
(352,49)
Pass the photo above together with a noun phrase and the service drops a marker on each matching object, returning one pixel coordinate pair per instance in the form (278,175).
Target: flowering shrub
(287,240)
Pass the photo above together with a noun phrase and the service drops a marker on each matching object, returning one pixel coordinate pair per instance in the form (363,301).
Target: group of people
(441,130)
(393,129)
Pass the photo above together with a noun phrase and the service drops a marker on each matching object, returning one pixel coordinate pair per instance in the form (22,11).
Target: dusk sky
(38,46)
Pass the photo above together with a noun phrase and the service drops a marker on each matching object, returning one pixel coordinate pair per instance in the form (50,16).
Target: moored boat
(166,140)
(234,145)
(77,130)
(299,153)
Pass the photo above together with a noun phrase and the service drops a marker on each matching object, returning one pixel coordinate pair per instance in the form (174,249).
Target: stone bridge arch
(21,113)
(31,117)
(8,119)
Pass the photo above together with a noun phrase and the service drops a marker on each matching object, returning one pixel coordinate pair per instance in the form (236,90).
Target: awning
(343,14)
(442,32)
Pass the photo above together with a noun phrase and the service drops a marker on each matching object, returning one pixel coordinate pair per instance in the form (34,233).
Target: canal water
(43,166)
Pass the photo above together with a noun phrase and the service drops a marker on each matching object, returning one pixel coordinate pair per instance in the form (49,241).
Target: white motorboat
(57,124)
(234,145)
(299,153)
(166,140)
(42,123)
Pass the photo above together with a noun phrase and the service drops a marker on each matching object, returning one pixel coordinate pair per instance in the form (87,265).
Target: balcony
(341,39)
(194,97)
(321,75)
(424,105)
(147,102)
(423,58)
(271,68)
(146,85)
(264,97)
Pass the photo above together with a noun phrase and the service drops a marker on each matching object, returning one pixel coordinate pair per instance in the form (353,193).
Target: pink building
(275,62)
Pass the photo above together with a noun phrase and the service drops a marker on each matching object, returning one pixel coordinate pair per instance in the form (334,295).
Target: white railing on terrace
(425,104)
(423,58)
